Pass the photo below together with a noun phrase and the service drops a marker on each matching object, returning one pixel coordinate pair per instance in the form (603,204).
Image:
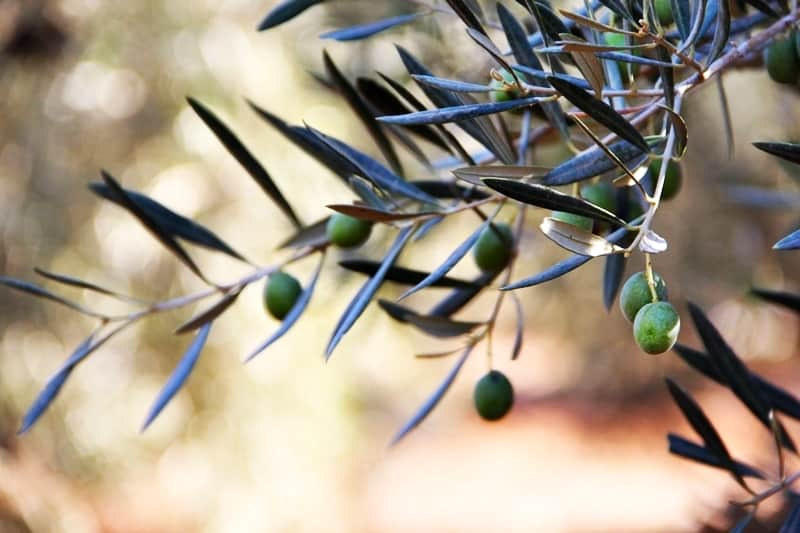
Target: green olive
(601,194)
(782,61)
(656,327)
(347,232)
(664,12)
(503,91)
(576,220)
(636,294)
(672,180)
(281,293)
(492,251)
(493,396)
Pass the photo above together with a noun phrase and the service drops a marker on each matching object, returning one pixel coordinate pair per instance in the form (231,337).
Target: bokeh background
(288,443)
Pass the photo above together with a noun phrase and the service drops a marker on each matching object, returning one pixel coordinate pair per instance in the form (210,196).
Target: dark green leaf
(792,522)
(449,190)
(778,398)
(82,284)
(171,222)
(294,313)
(118,195)
(467,15)
(734,372)
(454,257)
(459,113)
(788,151)
(367,291)
(619,8)
(613,273)
(362,31)
(402,275)
(520,328)
(375,215)
(434,399)
(599,111)
(286,10)
(35,290)
(363,113)
(702,425)
(694,452)
(309,143)
(386,103)
(593,162)
(786,299)
(480,128)
(179,375)
(681,12)
(547,198)
(232,143)
(436,326)
(368,168)
(459,298)
(209,314)
(313,235)
(456,86)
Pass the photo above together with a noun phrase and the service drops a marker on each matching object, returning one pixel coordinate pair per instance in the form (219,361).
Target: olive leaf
(576,240)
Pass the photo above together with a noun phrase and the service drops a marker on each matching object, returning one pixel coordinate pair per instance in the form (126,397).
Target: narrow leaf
(232,143)
(286,10)
(294,313)
(433,400)
(454,257)
(362,111)
(179,375)
(376,215)
(406,276)
(547,198)
(792,522)
(593,162)
(694,452)
(314,236)
(520,328)
(209,314)
(735,373)
(170,222)
(599,111)
(790,242)
(576,240)
(613,273)
(703,427)
(39,292)
(367,291)
(118,195)
(362,31)
(459,113)
(459,298)
(787,299)
(83,284)
(788,151)
(436,326)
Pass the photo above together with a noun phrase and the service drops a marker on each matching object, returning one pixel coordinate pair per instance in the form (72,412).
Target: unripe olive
(576,220)
(782,61)
(493,395)
(664,12)
(492,251)
(347,232)
(281,293)
(656,327)
(636,294)
(672,179)
(601,194)
(501,92)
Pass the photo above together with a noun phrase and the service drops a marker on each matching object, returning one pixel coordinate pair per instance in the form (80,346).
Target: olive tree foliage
(608,79)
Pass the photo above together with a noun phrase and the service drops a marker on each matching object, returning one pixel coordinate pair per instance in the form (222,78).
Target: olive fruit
(501,92)
(656,327)
(347,232)
(782,61)
(493,395)
(672,179)
(492,251)
(576,220)
(281,293)
(601,194)
(664,12)
(635,294)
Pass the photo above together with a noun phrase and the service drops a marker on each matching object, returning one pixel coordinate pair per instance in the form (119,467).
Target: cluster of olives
(656,323)
(782,58)
(282,290)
